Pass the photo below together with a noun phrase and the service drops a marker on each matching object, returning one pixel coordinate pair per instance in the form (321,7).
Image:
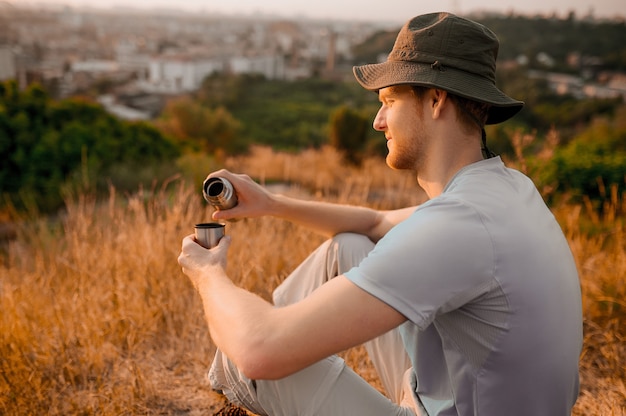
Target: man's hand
(253,200)
(199,263)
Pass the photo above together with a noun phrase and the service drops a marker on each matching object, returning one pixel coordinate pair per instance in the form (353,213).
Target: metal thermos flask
(219,192)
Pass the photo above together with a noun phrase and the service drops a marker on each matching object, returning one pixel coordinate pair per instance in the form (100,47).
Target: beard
(407,154)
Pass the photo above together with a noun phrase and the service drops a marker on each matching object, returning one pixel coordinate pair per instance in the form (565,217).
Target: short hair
(471,113)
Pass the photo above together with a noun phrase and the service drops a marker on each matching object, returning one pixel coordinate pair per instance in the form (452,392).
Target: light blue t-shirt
(489,286)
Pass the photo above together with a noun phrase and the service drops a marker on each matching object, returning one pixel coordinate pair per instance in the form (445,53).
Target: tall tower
(332,52)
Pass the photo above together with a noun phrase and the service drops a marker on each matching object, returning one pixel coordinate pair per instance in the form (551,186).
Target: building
(8,68)
(177,74)
(270,66)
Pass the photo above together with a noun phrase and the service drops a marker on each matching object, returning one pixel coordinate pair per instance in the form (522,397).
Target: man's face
(401,118)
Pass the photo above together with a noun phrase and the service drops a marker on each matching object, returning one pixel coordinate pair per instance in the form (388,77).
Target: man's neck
(445,161)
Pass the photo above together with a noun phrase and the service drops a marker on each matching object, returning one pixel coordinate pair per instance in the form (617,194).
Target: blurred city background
(113,112)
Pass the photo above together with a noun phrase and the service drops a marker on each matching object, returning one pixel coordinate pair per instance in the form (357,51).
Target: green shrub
(592,162)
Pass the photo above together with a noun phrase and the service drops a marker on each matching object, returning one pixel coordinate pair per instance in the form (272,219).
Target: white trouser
(328,387)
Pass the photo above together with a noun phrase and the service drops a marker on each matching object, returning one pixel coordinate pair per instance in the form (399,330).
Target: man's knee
(352,240)
(334,257)
(347,250)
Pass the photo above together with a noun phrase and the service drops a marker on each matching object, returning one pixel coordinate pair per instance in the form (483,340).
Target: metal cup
(208,234)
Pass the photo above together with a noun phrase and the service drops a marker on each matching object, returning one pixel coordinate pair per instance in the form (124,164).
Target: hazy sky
(382,10)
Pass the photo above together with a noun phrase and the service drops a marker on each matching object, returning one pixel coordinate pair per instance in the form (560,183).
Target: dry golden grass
(97,317)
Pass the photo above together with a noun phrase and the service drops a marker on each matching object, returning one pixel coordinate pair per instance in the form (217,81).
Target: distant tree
(201,128)
(348,132)
(530,35)
(286,115)
(226,90)
(591,163)
(379,43)
(46,145)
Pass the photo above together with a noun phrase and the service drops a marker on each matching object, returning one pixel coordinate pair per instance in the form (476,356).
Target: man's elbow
(259,351)
(258,364)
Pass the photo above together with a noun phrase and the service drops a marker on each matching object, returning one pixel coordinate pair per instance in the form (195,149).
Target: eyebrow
(390,91)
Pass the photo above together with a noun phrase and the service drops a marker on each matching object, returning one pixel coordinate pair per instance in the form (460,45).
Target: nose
(380,124)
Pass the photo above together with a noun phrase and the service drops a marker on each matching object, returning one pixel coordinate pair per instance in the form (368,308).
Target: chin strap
(487,154)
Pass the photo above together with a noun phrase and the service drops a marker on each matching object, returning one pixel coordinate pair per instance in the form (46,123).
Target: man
(468,304)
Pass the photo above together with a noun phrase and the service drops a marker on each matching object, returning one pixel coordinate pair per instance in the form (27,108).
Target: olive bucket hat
(441,50)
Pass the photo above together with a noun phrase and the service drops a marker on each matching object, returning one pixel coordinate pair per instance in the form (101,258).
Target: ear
(438,99)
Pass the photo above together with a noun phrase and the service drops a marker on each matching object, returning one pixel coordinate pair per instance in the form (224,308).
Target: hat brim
(374,77)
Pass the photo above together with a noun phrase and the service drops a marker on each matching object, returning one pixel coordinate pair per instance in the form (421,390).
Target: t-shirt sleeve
(435,261)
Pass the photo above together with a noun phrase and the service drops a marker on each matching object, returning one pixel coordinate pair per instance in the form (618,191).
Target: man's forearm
(237,319)
(327,218)
(331,219)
